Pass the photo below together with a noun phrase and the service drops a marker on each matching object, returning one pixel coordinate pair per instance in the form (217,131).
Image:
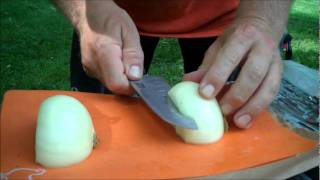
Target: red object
(181,18)
(136,144)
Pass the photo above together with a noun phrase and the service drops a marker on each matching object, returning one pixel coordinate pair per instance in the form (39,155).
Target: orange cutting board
(136,144)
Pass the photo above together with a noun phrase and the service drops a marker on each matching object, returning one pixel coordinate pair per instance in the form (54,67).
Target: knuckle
(231,58)
(100,43)
(123,12)
(280,67)
(88,71)
(270,42)
(247,31)
(237,99)
(241,38)
(252,30)
(264,100)
(264,50)
(241,41)
(256,109)
(276,57)
(104,42)
(259,107)
(268,52)
(261,104)
(234,50)
(133,54)
(86,64)
(255,74)
(267,97)
(275,85)
(215,77)
(273,90)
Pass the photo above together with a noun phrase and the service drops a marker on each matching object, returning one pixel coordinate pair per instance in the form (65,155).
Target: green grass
(35,45)
(34,49)
(303,26)
(168,61)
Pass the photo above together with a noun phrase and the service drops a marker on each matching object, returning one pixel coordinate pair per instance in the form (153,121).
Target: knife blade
(154,92)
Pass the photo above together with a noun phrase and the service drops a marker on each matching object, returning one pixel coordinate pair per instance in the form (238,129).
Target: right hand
(110,46)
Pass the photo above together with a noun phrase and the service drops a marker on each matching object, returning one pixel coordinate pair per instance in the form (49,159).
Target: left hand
(248,42)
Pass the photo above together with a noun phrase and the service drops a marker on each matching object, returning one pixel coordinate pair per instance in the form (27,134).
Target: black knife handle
(234,75)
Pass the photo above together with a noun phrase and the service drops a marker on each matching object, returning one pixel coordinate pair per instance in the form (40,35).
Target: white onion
(206,113)
(65,134)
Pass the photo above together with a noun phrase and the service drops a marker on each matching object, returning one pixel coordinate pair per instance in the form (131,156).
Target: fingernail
(244,121)
(135,71)
(208,90)
(226,109)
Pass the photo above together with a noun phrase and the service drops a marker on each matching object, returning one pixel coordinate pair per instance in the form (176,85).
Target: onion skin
(206,113)
(65,134)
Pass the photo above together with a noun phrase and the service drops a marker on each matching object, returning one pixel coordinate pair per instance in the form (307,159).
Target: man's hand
(110,44)
(259,79)
(252,42)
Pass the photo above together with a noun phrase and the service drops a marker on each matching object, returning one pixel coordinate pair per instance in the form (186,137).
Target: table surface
(282,169)
(298,111)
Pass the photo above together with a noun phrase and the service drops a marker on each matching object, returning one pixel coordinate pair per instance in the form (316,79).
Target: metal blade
(154,92)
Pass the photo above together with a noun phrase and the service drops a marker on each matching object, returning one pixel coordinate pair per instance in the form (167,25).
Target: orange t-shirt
(181,18)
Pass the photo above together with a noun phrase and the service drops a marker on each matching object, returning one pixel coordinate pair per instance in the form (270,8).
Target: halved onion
(65,134)
(206,113)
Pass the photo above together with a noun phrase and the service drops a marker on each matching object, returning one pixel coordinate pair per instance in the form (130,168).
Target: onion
(206,114)
(65,134)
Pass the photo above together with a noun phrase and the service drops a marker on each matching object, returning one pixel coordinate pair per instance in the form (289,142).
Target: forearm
(272,14)
(74,10)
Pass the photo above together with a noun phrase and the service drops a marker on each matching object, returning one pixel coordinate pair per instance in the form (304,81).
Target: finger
(133,61)
(132,54)
(211,53)
(262,98)
(111,68)
(228,57)
(251,76)
(196,76)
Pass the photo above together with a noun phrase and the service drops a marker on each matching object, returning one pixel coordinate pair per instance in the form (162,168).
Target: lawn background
(35,45)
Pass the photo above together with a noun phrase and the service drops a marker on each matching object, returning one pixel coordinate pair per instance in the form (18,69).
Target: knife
(154,92)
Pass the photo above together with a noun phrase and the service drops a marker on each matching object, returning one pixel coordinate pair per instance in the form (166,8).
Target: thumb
(132,54)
